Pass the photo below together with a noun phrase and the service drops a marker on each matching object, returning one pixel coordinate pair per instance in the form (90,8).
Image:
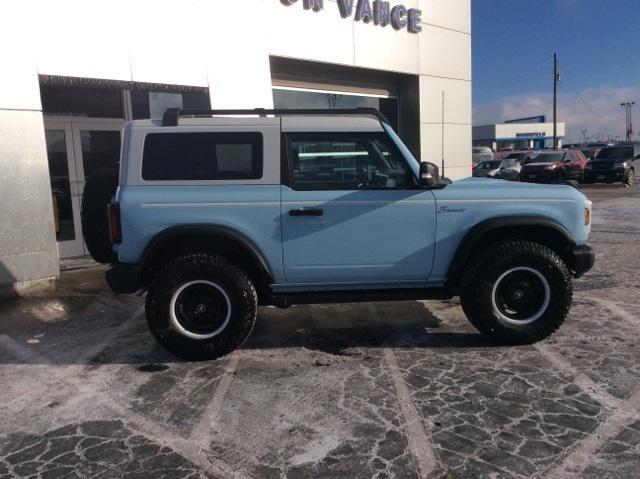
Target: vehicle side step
(284,300)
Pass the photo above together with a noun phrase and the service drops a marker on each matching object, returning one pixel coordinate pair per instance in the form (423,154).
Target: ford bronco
(218,212)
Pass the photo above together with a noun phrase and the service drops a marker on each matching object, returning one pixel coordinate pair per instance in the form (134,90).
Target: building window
(85,101)
(287,98)
(152,103)
(97,98)
(202,156)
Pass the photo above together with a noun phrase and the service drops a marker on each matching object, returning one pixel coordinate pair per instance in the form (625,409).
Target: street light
(629,125)
(584,136)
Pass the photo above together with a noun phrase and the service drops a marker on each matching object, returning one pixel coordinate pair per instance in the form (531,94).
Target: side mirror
(429,174)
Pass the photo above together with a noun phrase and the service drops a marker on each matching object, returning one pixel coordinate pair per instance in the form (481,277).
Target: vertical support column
(28,249)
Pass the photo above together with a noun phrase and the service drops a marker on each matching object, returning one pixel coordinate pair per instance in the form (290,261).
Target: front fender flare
(480,230)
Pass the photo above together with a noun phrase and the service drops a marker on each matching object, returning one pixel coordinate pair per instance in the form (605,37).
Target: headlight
(620,165)
(550,167)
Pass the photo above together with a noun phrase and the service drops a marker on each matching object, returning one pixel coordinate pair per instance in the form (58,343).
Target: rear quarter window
(202,156)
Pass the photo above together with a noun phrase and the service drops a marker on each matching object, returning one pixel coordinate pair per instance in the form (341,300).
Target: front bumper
(538,176)
(124,278)
(604,176)
(583,260)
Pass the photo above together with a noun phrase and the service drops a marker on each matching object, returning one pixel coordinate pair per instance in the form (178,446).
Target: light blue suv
(216,214)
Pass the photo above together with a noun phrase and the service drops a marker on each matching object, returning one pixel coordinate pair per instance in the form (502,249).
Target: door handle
(307,212)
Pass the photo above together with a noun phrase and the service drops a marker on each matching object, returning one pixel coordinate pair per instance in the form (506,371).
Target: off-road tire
(99,189)
(630,178)
(203,267)
(477,289)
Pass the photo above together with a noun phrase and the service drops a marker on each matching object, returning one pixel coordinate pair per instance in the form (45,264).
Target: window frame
(288,166)
(258,154)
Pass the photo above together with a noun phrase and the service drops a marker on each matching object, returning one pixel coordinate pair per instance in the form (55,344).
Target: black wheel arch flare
(546,230)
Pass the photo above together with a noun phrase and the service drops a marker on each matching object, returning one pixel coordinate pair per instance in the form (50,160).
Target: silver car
(484,168)
(508,170)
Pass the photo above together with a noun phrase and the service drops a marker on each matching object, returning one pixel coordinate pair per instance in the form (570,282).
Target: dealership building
(520,134)
(74,71)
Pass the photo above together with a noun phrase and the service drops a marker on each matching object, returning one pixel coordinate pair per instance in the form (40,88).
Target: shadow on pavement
(332,329)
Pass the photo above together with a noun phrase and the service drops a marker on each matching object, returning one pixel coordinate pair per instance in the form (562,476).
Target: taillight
(113,217)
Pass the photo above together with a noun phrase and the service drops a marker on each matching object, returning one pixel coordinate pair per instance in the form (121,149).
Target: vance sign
(378,12)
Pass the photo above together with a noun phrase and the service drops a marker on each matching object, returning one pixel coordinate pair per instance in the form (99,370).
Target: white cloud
(597,110)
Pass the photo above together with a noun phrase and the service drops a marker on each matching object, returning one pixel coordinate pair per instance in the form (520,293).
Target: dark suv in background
(614,164)
(554,167)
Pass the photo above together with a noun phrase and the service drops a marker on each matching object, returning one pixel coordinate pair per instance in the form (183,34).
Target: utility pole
(556,79)
(629,121)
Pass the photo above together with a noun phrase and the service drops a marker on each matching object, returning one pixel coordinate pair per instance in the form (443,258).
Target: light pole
(629,121)
(584,136)
(556,79)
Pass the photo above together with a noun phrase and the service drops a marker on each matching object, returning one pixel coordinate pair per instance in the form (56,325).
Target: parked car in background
(483,168)
(555,167)
(509,170)
(481,153)
(591,151)
(615,164)
(523,156)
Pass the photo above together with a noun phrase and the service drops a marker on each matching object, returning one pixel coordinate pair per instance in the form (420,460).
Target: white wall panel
(457,147)
(169,42)
(19,87)
(457,100)
(238,60)
(452,14)
(445,53)
(386,49)
(83,38)
(322,36)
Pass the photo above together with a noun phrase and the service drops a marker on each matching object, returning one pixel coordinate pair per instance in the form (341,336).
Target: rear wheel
(201,306)
(517,292)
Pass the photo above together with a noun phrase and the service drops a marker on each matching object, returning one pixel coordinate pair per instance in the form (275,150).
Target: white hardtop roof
(292,123)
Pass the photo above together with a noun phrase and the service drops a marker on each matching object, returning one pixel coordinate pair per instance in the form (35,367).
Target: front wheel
(201,306)
(630,180)
(518,292)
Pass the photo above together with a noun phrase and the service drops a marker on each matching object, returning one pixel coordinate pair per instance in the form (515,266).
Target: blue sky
(598,43)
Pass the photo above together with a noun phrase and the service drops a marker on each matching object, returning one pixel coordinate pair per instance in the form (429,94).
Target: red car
(554,167)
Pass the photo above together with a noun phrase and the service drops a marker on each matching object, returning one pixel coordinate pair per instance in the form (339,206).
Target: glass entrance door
(77,148)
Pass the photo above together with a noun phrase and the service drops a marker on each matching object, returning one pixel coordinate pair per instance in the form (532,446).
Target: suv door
(572,165)
(352,212)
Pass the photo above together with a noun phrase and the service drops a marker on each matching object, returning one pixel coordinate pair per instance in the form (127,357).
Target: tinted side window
(202,156)
(346,161)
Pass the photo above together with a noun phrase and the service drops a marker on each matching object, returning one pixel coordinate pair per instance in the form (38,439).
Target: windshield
(615,152)
(488,165)
(509,163)
(548,157)
(415,164)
